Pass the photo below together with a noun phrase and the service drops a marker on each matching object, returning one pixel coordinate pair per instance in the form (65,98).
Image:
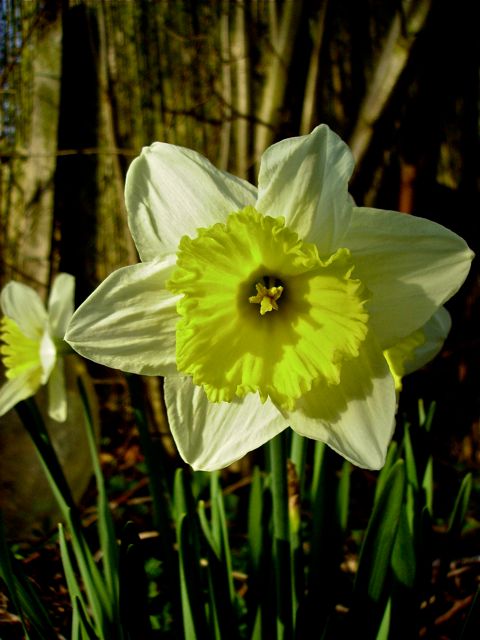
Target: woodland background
(85,84)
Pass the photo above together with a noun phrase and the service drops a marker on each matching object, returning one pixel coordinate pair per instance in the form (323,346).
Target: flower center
(229,346)
(19,352)
(267,296)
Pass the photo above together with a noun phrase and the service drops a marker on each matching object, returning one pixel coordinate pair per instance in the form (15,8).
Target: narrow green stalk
(34,424)
(106,528)
(93,581)
(24,599)
(281,537)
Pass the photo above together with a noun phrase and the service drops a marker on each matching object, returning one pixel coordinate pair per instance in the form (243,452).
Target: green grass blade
(260,596)
(410,464)
(343,495)
(218,517)
(326,539)
(392,457)
(298,456)
(95,589)
(427,484)
(74,590)
(425,419)
(159,490)
(281,537)
(384,630)
(255,520)
(207,532)
(189,557)
(193,615)
(24,598)
(133,597)
(457,517)
(154,461)
(371,589)
(106,529)
(472,623)
(86,630)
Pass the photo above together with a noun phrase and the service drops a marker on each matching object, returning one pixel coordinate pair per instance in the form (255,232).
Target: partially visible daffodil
(268,307)
(32,344)
(417,349)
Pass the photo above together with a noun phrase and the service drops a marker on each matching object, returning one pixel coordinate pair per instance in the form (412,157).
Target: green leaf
(371,589)
(220,529)
(472,623)
(260,597)
(255,520)
(425,419)
(457,517)
(24,598)
(410,464)
(189,558)
(384,630)
(326,539)
(281,550)
(392,457)
(192,614)
(427,484)
(343,495)
(298,456)
(106,529)
(80,621)
(133,588)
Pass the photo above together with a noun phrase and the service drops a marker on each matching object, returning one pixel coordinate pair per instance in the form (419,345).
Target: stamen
(267,296)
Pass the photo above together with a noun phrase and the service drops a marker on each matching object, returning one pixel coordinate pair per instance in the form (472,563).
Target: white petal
(409,264)
(48,356)
(61,304)
(19,388)
(356,417)
(23,305)
(210,435)
(171,191)
(57,396)
(435,330)
(129,321)
(305,179)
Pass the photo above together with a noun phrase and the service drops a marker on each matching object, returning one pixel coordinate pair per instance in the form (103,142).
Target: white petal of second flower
(57,395)
(129,321)
(356,417)
(305,179)
(48,356)
(61,304)
(209,435)
(23,305)
(172,191)
(19,388)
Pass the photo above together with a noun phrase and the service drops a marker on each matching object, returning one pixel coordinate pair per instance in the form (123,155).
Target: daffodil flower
(267,307)
(32,343)
(417,349)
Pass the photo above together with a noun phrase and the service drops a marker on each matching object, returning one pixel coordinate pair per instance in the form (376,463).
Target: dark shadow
(76,187)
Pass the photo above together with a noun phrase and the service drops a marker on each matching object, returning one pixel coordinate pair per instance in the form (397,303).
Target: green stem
(35,426)
(281,537)
(158,484)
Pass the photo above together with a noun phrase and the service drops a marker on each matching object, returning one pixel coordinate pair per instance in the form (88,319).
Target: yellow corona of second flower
(19,352)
